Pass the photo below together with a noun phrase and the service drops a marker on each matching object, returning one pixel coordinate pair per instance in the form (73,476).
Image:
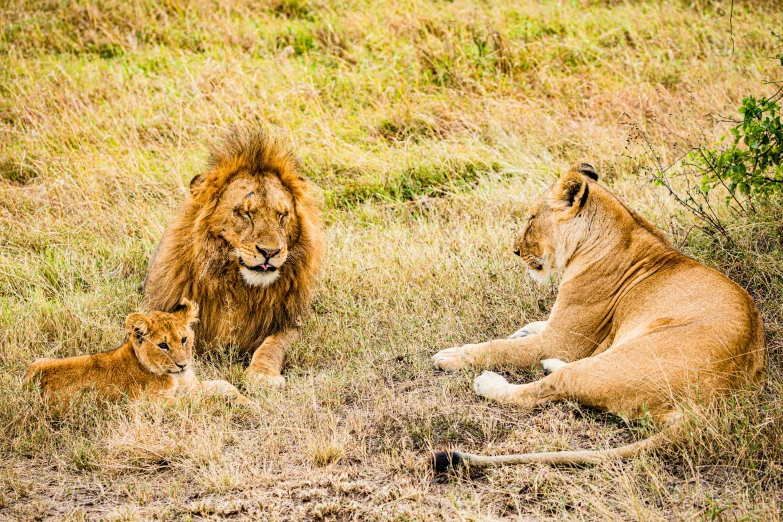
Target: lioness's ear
(585,169)
(569,192)
(196,184)
(188,310)
(138,325)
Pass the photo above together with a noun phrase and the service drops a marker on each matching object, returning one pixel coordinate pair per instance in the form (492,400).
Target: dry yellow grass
(430,126)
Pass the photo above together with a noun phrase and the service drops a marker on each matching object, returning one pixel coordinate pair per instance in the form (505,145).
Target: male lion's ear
(138,324)
(585,169)
(569,192)
(196,183)
(188,310)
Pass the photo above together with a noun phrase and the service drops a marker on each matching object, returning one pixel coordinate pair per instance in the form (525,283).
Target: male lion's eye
(164,347)
(283,216)
(241,213)
(184,341)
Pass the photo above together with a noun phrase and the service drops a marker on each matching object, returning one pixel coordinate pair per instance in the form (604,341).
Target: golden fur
(637,326)
(155,359)
(246,245)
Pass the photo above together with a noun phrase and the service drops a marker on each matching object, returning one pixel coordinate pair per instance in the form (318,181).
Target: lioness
(155,359)
(636,327)
(246,245)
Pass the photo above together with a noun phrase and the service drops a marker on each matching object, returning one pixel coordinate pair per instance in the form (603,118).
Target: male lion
(246,245)
(155,359)
(637,326)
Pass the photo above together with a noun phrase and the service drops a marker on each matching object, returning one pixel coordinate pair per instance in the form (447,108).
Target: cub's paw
(261,379)
(451,359)
(224,389)
(491,386)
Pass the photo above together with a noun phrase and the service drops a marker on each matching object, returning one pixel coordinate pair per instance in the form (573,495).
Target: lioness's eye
(164,347)
(184,341)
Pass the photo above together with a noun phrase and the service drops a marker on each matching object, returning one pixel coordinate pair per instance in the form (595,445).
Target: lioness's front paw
(529,329)
(263,379)
(451,359)
(522,332)
(491,386)
(552,365)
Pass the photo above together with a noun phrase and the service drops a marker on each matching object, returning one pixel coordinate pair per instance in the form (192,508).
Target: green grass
(430,127)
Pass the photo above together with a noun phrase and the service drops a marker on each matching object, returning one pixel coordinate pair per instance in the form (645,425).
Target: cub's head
(163,342)
(253,200)
(554,228)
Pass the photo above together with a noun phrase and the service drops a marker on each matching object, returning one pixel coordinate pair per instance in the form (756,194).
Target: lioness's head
(256,214)
(163,342)
(553,228)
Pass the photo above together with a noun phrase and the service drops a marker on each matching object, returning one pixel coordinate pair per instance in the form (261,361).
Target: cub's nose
(181,366)
(267,252)
(518,252)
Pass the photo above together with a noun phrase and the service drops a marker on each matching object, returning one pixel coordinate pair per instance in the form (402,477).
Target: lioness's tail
(444,460)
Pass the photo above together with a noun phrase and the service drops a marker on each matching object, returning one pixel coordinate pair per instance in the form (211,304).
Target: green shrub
(750,168)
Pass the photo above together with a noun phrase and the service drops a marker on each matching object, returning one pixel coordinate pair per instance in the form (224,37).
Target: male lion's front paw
(259,378)
(451,359)
(491,386)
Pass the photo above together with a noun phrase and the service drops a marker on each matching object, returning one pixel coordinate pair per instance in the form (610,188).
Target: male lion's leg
(523,353)
(268,359)
(529,329)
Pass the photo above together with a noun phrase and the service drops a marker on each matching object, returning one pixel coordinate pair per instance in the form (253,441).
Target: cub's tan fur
(637,326)
(246,245)
(155,359)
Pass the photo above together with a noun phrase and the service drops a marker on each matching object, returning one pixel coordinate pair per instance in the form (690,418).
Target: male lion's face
(163,342)
(256,215)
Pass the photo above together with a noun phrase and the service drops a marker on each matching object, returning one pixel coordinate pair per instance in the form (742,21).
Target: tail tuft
(443,460)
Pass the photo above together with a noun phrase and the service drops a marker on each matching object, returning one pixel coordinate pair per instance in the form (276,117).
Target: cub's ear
(569,193)
(188,310)
(196,184)
(585,169)
(138,325)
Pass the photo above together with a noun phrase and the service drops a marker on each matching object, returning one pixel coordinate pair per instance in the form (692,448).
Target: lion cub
(156,359)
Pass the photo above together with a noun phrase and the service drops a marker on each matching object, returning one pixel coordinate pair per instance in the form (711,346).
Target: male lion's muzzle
(261,267)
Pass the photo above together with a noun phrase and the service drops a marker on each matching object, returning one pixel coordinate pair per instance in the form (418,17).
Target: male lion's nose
(266,252)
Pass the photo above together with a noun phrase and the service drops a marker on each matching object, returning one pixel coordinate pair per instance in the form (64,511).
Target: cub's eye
(164,347)
(184,341)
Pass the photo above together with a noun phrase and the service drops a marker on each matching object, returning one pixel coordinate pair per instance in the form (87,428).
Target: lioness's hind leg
(529,329)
